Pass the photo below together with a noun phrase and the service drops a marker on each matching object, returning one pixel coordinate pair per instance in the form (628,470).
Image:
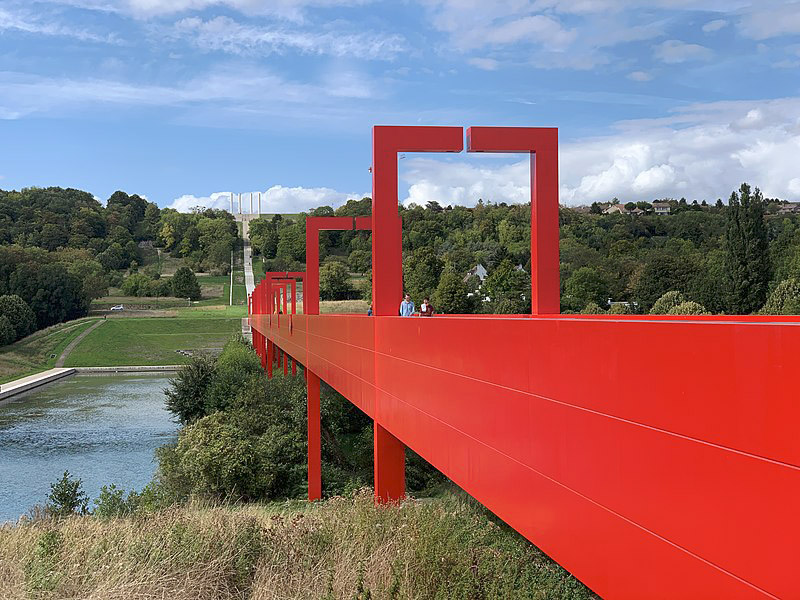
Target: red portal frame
(687,488)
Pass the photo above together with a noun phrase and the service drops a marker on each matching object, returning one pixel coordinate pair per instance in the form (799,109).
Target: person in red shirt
(426,308)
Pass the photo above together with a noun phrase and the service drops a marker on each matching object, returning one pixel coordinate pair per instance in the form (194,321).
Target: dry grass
(341,548)
(344,306)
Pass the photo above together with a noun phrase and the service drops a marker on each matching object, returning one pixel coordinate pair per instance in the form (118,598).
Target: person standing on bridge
(407,307)
(426,308)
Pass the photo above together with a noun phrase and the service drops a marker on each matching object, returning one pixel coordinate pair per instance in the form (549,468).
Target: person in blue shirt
(406,307)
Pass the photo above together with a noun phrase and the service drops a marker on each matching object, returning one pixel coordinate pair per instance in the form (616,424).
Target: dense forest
(721,258)
(61,248)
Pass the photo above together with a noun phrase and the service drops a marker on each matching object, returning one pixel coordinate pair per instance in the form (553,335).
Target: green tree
(186,392)
(333,281)
(19,316)
(184,284)
(421,273)
(67,497)
(360,261)
(585,285)
(452,294)
(747,251)
(509,289)
(7,334)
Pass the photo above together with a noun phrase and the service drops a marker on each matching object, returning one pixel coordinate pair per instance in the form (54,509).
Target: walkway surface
(71,346)
(249,279)
(24,384)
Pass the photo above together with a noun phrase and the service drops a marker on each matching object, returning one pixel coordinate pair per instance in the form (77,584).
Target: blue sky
(184,101)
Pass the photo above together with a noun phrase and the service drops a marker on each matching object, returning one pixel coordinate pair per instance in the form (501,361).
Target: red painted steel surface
(653,457)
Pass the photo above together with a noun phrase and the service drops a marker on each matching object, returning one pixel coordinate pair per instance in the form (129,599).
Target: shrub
(113,502)
(235,365)
(67,497)
(592,308)
(784,299)
(667,302)
(186,392)
(688,308)
(136,284)
(620,308)
(333,281)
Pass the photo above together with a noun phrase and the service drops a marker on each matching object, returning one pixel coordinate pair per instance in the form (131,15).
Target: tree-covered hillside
(721,257)
(61,248)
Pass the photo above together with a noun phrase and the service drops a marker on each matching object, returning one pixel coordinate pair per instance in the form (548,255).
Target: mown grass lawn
(38,352)
(151,341)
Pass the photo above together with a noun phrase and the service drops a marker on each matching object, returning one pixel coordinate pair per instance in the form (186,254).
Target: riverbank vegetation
(343,548)
(223,516)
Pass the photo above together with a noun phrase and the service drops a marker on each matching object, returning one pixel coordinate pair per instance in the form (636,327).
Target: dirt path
(71,346)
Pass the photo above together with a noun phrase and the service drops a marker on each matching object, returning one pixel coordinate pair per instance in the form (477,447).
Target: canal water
(102,429)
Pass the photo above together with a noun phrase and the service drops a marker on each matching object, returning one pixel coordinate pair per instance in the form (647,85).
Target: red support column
(270,358)
(389,466)
(294,366)
(262,348)
(387,268)
(314,441)
(285,363)
(294,296)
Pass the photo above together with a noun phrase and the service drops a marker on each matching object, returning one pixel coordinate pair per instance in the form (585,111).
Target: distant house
(637,211)
(478,271)
(790,208)
(615,209)
(661,208)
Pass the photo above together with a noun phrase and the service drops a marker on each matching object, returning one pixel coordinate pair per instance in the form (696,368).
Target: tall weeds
(343,548)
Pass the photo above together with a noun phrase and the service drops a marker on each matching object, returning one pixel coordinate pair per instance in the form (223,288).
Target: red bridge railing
(653,457)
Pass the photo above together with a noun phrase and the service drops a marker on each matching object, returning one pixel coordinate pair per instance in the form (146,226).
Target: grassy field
(151,341)
(38,352)
(342,548)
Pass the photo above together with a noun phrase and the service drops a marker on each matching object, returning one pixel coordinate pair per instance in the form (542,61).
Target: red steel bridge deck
(652,457)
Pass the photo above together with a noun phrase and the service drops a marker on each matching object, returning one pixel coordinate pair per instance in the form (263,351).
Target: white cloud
(24,22)
(290,9)
(487,64)
(277,199)
(241,90)
(703,151)
(771,19)
(226,35)
(461,182)
(640,76)
(715,25)
(676,51)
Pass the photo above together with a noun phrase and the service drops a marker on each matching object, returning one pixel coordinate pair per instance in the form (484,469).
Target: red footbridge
(652,457)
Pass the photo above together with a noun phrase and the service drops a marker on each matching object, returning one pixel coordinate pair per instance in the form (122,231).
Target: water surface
(103,429)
